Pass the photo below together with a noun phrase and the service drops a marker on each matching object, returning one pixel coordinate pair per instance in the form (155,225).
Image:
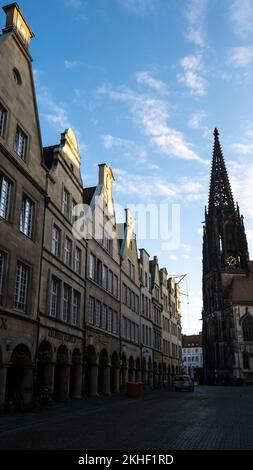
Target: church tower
(225,256)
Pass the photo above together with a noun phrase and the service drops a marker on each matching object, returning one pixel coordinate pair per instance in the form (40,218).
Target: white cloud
(151,117)
(72,64)
(241,16)
(155,187)
(144,78)
(53,112)
(195,13)
(241,56)
(138,7)
(193,68)
(196,119)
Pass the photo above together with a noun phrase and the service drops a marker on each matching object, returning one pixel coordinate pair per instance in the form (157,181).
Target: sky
(143,83)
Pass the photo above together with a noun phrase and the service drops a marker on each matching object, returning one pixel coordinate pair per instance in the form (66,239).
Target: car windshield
(182,378)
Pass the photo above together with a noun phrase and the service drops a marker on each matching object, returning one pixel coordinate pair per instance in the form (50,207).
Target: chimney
(15,21)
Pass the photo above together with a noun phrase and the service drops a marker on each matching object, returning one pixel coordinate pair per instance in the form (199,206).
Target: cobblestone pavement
(209,418)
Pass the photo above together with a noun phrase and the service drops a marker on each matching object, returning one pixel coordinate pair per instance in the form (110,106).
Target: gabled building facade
(157,308)
(22,196)
(146,321)
(62,293)
(130,302)
(102,343)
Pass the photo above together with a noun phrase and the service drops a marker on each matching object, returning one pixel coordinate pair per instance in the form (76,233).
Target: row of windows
(64,302)
(175,350)
(131,270)
(67,250)
(147,279)
(130,299)
(166,324)
(27,210)
(191,359)
(145,306)
(104,239)
(157,316)
(157,341)
(166,347)
(130,330)
(21,282)
(191,350)
(102,316)
(146,335)
(20,142)
(103,276)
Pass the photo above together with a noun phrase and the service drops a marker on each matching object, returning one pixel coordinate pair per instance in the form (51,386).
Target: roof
(242,288)
(88,194)
(191,341)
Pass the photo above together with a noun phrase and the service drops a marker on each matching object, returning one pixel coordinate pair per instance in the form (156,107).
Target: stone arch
(91,372)
(137,369)
(114,373)
(61,374)
(103,370)
(76,373)
(19,381)
(45,367)
(131,369)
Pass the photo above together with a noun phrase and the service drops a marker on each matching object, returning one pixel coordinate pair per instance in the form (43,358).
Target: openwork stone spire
(220,194)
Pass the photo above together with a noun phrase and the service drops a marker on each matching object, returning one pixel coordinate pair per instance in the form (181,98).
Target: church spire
(220,194)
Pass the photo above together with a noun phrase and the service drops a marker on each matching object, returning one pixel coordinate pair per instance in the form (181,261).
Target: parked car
(183,382)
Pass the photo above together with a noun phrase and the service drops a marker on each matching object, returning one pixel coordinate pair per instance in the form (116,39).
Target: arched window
(247,327)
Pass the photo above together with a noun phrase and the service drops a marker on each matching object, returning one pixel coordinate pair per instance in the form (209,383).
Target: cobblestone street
(209,418)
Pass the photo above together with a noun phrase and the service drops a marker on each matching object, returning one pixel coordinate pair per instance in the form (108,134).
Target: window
(146,279)
(73,217)
(115,285)
(91,310)
(65,202)
(124,294)
(77,265)
(5,197)
(136,304)
(2,271)
(99,272)
(75,307)
(247,327)
(17,76)
(55,290)
(98,313)
(66,302)
(20,143)
(104,316)
(110,281)
(56,237)
(3,115)
(109,320)
(26,217)
(92,267)
(67,251)
(21,287)
(104,276)
(115,323)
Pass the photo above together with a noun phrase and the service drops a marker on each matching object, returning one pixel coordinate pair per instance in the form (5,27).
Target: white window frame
(21,140)
(5,198)
(21,286)
(26,216)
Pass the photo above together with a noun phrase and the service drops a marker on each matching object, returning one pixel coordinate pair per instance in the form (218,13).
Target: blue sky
(143,83)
